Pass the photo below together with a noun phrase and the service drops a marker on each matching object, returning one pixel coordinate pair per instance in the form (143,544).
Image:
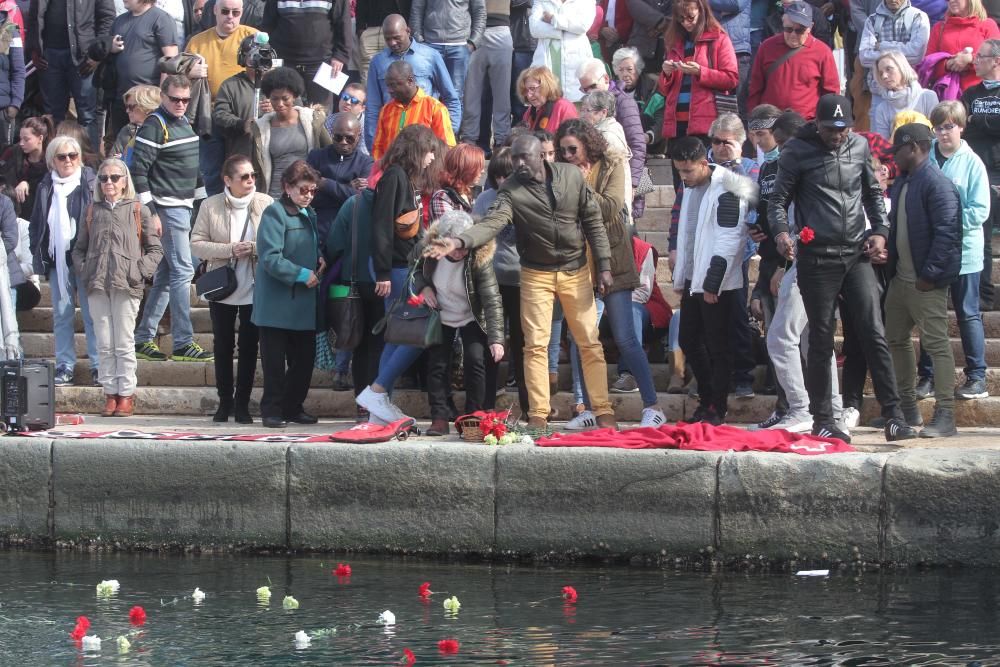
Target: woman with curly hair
(579,143)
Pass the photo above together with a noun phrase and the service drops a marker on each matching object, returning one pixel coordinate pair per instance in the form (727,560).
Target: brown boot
(607,421)
(110,405)
(553,383)
(537,422)
(437,427)
(126,405)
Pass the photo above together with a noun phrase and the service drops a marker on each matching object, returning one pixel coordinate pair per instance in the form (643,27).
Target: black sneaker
(625,384)
(149,352)
(775,418)
(63,377)
(897,429)
(925,388)
(831,431)
(972,389)
(743,390)
(191,352)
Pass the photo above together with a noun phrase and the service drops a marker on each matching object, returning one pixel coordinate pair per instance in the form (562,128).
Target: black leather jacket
(832,191)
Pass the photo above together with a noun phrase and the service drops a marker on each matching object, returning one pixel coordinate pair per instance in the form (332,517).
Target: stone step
(39,320)
(326,403)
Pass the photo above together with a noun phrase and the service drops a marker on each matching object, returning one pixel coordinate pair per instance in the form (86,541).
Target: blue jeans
(172,280)
(63,315)
(555,338)
(62,79)
(640,322)
(395,358)
(965,295)
(456,59)
(579,391)
(521,62)
(342,361)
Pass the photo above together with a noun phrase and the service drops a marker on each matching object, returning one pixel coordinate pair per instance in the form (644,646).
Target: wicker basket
(468,426)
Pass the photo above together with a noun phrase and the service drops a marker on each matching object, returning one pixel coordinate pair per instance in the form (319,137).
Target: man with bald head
(555,218)
(409,106)
(344,170)
(368,18)
(429,72)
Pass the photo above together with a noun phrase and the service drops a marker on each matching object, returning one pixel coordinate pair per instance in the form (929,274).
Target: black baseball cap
(910,133)
(834,111)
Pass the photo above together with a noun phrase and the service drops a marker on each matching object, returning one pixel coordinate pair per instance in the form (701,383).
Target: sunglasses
(307,190)
(114,178)
(344,138)
(797,31)
(351,99)
(179,100)
(568,150)
(62,157)
(231,12)
(719,142)
(249,176)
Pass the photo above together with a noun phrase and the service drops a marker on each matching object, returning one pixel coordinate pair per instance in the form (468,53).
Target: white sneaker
(583,421)
(378,405)
(652,417)
(850,417)
(794,424)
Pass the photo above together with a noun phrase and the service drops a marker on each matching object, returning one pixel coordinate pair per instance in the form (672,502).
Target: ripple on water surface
(512,615)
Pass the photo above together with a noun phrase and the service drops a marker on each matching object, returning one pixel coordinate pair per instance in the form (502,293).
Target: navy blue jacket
(337,173)
(934,223)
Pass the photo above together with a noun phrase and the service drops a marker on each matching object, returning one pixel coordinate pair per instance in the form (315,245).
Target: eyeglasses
(114,178)
(984,56)
(798,31)
(179,100)
(231,12)
(344,138)
(64,157)
(589,88)
(568,150)
(945,127)
(307,190)
(688,19)
(249,176)
(532,89)
(350,99)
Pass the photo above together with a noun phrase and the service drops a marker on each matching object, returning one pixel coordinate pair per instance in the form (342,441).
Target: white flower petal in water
(108,587)
(198,595)
(123,644)
(290,603)
(302,640)
(387,618)
(91,643)
(264,594)
(452,604)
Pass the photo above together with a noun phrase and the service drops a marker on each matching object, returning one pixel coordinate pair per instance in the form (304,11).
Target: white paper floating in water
(387,618)
(198,595)
(813,573)
(107,588)
(302,639)
(91,643)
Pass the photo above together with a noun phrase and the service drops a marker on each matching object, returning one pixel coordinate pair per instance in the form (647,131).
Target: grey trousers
(788,344)
(490,64)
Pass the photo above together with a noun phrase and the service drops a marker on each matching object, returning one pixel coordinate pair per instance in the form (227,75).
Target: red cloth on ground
(701,437)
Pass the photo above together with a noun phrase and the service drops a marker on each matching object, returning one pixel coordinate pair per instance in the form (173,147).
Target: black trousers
(986,288)
(510,295)
(744,362)
(705,337)
(364,360)
(286,357)
(224,344)
(822,279)
(439,365)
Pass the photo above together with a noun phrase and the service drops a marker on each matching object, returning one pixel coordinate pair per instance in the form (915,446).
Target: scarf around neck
(62,228)
(239,208)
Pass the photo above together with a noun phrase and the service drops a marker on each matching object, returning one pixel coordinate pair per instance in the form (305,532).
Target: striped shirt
(683,113)
(422,110)
(165,162)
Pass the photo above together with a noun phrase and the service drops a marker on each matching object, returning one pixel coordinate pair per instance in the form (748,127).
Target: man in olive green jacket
(555,216)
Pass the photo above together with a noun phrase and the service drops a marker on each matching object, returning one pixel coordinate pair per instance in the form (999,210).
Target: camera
(256,52)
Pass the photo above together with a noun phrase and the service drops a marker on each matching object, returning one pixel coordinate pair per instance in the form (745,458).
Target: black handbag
(219,283)
(724,102)
(344,315)
(406,324)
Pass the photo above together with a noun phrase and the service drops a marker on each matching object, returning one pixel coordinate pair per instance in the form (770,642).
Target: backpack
(129,149)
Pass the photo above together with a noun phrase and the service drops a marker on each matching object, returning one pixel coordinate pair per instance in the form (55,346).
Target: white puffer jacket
(567,33)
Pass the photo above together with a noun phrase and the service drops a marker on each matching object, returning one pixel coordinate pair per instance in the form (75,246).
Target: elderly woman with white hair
(463,287)
(117,250)
(60,206)
(897,89)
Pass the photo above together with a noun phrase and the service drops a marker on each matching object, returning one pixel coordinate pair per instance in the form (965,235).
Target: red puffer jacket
(723,76)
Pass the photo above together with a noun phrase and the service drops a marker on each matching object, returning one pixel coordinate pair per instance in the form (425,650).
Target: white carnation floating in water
(290,603)
(302,640)
(107,588)
(123,644)
(91,643)
(452,604)
(264,594)
(387,618)
(198,595)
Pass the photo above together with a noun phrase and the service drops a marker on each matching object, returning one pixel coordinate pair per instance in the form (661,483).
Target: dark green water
(510,615)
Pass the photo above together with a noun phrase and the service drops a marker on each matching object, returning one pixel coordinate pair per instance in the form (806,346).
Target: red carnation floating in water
(137,616)
(408,658)
(82,625)
(425,589)
(806,235)
(448,646)
(569,594)
(343,570)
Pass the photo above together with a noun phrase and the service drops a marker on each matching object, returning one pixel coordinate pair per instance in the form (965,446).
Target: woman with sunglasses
(289,270)
(700,63)
(60,208)
(225,232)
(286,134)
(117,250)
(606,171)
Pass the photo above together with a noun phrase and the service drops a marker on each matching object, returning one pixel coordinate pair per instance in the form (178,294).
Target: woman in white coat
(561,26)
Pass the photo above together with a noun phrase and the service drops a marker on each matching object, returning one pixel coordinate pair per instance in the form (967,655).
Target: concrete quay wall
(929,506)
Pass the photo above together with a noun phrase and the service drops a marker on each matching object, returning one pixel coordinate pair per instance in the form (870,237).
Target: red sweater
(722,77)
(799,82)
(550,118)
(955,33)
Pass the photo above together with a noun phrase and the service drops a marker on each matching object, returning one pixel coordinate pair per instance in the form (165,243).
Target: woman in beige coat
(117,250)
(226,231)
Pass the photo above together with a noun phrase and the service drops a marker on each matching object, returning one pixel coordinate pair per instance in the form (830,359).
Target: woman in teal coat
(289,270)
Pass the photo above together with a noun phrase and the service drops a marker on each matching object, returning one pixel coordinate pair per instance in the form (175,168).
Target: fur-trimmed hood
(741,186)
(480,256)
